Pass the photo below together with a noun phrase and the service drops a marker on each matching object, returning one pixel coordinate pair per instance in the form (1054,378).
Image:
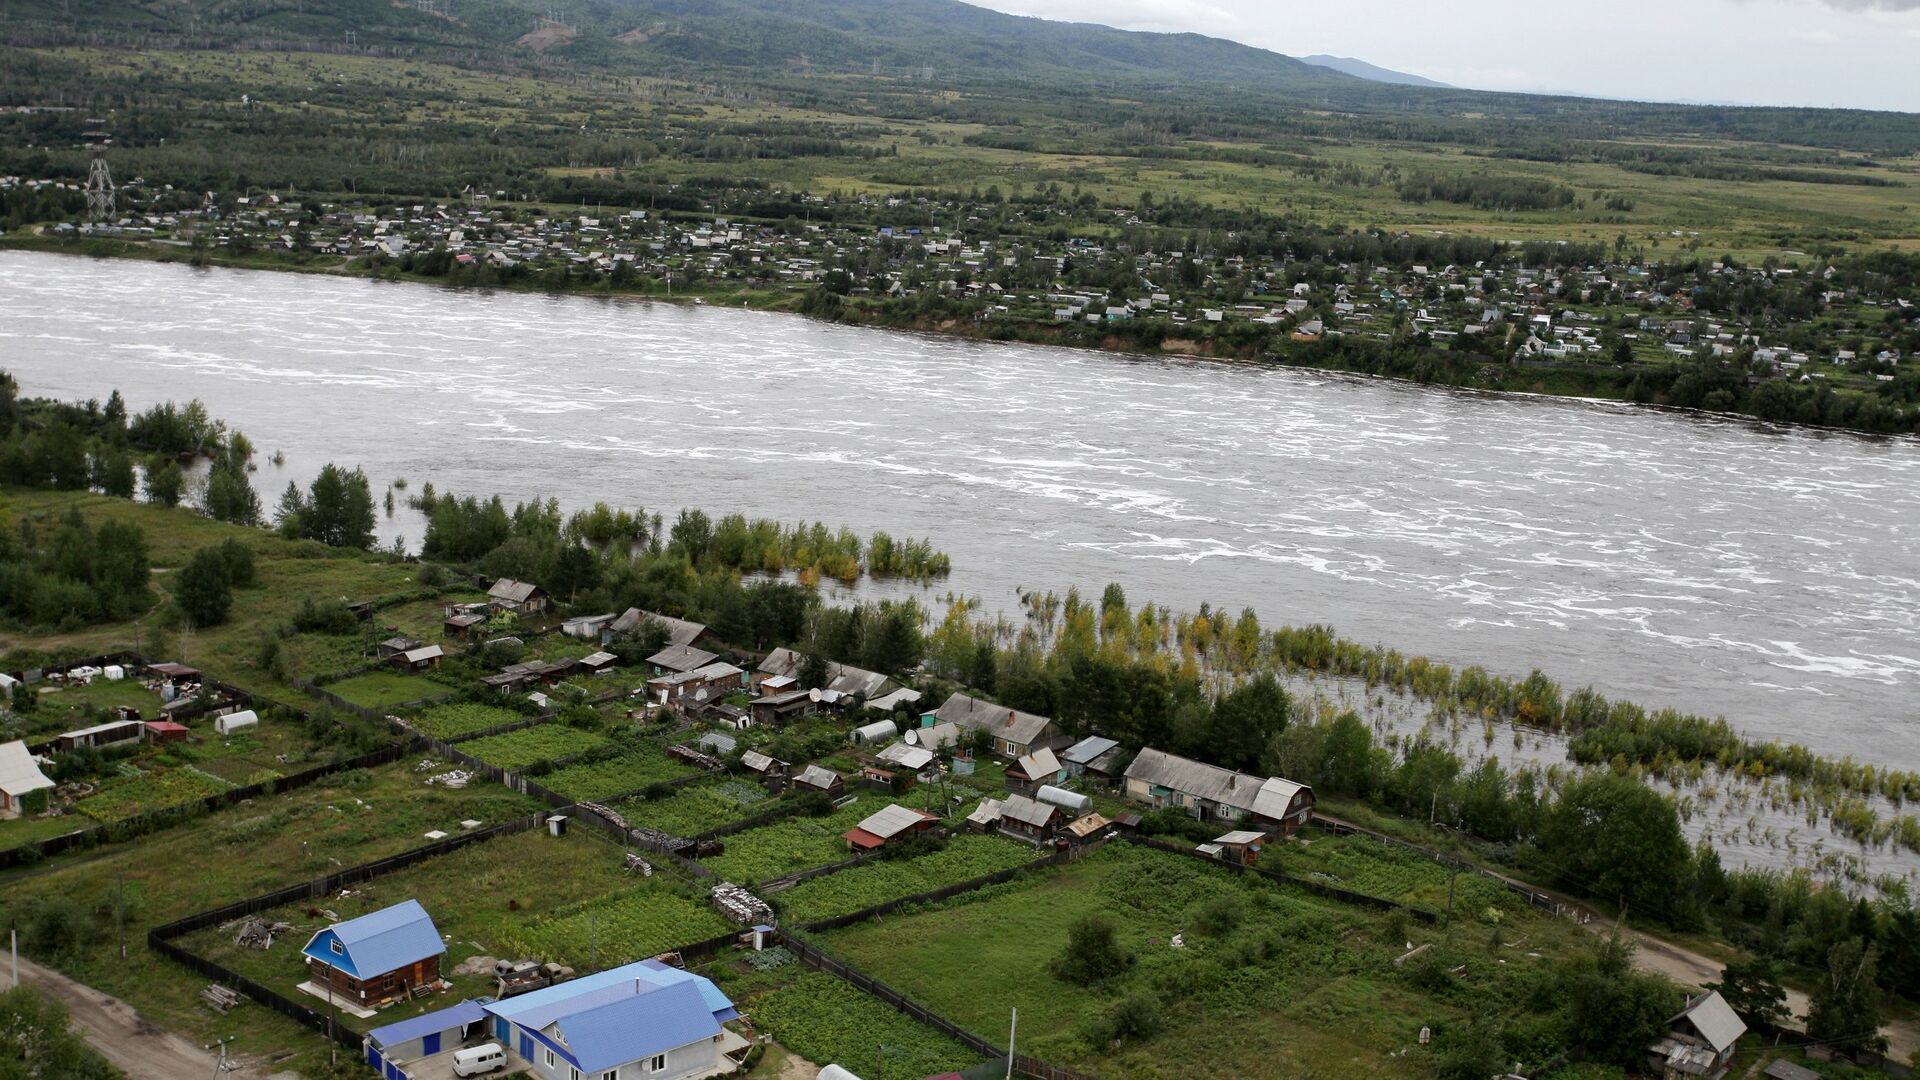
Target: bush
(1093,953)
(204,589)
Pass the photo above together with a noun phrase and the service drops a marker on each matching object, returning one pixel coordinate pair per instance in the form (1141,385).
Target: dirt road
(130,1041)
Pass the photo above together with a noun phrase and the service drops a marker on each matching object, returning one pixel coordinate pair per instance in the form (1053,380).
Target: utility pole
(1013,1028)
(220,1064)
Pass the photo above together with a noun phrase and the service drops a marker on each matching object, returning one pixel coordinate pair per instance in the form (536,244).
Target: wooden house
(1029,773)
(378,957)
(419,658)
(460,625)
(710,683)
(1015,734)
(1027,818)
(679,631)
(23,787)
(1210,793)
(779,709)
(1241,846)
(678,659)
(1700,1040)
(843,679)
(890,823)
(519,597)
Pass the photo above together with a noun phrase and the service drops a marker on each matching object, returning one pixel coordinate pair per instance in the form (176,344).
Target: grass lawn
(388,689)
(250,848)
(83,706)
(1306,986)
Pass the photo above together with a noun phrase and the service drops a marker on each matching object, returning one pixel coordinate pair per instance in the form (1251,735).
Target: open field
(1304,983)
(462,718)
(388,689)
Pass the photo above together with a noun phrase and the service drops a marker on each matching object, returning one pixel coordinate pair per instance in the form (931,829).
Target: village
(719,841)
(1535,306)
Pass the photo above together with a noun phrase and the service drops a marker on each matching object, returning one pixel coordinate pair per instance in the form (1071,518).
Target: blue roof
(440,1020)
(542,1007)
(379,941)
(638,1027)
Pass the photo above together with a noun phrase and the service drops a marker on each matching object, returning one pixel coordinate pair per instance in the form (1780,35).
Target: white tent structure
(234,721)
(19,777)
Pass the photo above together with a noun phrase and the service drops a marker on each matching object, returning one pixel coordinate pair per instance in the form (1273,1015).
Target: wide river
(1770,575)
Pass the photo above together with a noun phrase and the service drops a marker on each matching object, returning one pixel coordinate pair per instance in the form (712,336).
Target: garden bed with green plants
(531,746)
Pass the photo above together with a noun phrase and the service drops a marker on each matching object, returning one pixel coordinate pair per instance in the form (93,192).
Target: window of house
(549,1057)
(610,1074)
(573,1074)
(338,949)
(658,1064)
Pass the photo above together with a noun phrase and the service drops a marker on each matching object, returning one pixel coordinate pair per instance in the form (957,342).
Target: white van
(479,1059)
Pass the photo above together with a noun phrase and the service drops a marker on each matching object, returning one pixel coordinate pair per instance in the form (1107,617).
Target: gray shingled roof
(679,631)
(682,658)
(509,591)
(841,677)
(1267,798)
(1009,724)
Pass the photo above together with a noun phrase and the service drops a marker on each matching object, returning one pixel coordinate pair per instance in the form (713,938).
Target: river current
(1771,575)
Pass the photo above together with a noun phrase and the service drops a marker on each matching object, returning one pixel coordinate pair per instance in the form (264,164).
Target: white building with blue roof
(640,1021)
(379,957)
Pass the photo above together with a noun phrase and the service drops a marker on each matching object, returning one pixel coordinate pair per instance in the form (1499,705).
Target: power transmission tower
(99,180)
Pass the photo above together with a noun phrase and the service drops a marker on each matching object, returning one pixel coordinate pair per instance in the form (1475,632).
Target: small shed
(902,756)
(460,627)
(1242,846)
(777,709)
(1031,771)
(160,732)
(422,658)
(985,816)
(586,626)
(1087,827)
(1700,1039)
(878,731)
(818,778)
(597,663)
(762,764)
(112,733)
(234,721)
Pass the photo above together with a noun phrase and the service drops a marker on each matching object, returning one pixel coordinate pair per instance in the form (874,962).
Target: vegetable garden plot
(631,771)
(964,858)
(824,1020)
(530,746)
(124,798)
(1366,865)
(698,808)
(798,843)
(609,931)
(453,721)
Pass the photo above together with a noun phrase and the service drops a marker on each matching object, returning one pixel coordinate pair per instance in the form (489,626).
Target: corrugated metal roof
(986,813)
(1241,838)
(379,941)
(447,1019)
(18,773)
(542,1007)
(1714,1019)
(634,1028)
(1087,749)
(817,776)
(891,820)
(907,757)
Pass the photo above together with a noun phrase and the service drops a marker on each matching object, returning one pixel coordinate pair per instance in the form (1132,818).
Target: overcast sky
(1854,53)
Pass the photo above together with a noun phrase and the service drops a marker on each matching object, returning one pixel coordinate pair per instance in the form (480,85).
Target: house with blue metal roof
(640,1021)
(379,957)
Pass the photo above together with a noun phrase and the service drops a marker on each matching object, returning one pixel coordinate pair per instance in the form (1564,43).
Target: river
(1771,575)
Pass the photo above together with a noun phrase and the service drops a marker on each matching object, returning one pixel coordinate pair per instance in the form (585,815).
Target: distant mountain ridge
(1360,69)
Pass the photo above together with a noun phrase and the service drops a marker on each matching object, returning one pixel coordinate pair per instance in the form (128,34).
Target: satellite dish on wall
(814,696)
